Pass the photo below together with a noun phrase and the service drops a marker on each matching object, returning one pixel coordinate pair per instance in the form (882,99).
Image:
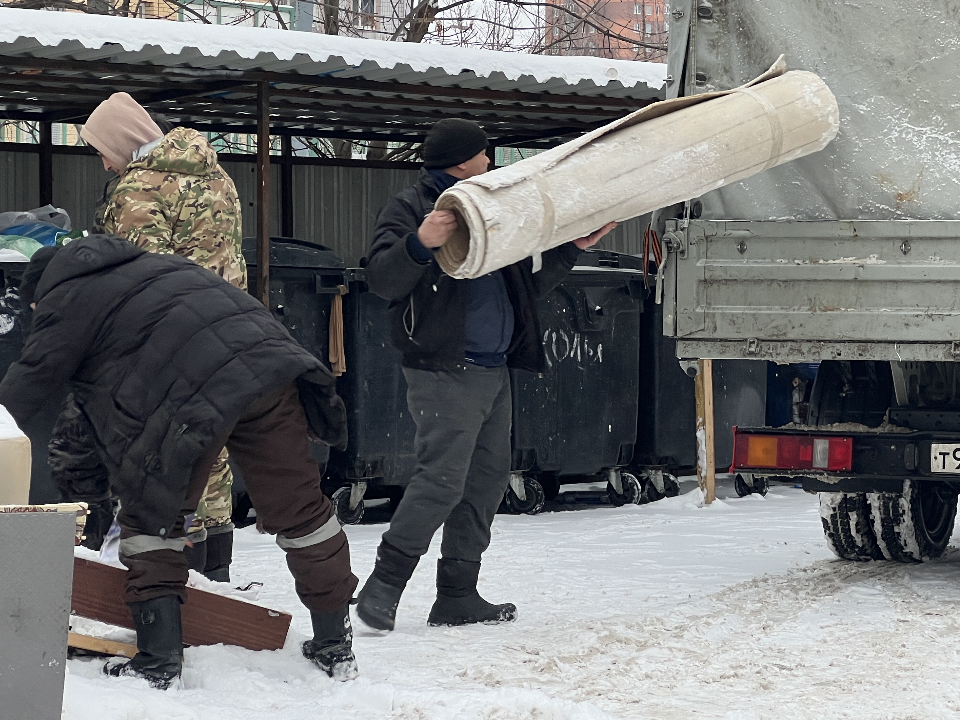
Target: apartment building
(619,29)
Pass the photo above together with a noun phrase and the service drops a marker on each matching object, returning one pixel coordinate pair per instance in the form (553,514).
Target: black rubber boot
(331,649)
(159,657)
(219,553)
(459,603)
(196,551)
(380,595)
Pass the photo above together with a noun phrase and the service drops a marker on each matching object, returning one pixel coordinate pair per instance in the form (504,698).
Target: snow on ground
(668,610)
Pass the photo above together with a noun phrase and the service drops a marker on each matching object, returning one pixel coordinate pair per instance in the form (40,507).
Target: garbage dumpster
(577,421)
(304,279)
(379,460)
(666,427)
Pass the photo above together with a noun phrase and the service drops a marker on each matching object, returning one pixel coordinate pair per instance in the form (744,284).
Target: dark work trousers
(270,445)
(463,419)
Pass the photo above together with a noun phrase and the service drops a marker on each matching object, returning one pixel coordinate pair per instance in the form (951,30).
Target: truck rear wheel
(914,525)
(848,526)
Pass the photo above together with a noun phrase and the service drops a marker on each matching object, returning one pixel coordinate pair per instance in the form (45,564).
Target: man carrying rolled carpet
(458,337)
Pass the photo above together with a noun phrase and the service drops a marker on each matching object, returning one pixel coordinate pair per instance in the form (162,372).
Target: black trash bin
(14,328)
(666,427)
(304,279)
(379,460)
(577,421)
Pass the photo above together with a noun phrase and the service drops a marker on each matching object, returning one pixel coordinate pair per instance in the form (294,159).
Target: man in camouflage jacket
(172,197)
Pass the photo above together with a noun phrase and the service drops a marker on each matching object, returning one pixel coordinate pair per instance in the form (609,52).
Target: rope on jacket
(336,352)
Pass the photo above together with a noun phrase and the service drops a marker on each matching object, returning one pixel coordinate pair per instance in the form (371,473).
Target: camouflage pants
(216,505)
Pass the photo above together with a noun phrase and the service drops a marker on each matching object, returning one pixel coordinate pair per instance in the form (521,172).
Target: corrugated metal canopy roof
(58,66)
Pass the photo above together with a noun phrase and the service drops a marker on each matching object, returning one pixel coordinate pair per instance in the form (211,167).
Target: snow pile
(71,33)
(8,426)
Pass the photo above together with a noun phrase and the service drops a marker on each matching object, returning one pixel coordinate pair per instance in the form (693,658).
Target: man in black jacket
(169,363)
(457,338)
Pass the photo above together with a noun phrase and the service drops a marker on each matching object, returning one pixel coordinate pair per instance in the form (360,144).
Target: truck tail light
(792,452)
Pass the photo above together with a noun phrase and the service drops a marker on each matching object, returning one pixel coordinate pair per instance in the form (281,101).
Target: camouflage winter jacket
(179,200)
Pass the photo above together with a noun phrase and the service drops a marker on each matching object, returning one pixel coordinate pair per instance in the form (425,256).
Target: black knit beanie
(451,142)
(31,276)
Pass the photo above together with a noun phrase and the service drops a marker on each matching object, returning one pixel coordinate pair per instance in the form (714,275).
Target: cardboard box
(14,462)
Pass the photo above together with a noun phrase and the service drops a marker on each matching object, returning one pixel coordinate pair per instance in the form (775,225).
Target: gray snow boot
(331,649)
(380,595)
(459,603)
(159,657)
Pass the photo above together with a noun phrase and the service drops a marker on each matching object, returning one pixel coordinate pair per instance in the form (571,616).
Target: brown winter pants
(269,443)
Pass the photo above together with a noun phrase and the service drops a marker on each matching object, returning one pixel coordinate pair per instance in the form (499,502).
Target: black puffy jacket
(427,306)
(163,357)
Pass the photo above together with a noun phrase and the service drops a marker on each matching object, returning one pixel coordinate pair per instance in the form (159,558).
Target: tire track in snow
(832,639)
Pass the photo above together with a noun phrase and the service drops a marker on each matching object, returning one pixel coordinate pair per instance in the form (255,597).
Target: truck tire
(848,526)
(914,525)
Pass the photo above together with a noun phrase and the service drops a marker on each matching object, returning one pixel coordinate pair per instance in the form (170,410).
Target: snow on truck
(849,257)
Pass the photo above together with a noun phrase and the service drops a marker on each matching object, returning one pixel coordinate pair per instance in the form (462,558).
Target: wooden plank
(99,645)
(208,619)
(706,456)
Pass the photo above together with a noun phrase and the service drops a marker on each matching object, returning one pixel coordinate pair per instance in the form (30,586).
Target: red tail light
(792,452)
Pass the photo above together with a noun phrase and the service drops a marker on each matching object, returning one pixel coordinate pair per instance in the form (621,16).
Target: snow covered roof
(51,62)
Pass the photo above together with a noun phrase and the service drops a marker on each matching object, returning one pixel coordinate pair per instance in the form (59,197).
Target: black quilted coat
(163,356)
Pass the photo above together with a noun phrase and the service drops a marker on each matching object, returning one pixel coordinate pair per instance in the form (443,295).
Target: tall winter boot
(331,649)
(159,657)
(380,595)
(219,553)
(458,602)
(196,550)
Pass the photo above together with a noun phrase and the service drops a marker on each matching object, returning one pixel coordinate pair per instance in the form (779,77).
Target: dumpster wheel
(746,484)
(632,491)
(341,505)
(671,486)
(656,485)
(524,495)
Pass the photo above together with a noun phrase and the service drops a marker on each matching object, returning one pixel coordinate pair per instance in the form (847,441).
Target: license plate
(945,458)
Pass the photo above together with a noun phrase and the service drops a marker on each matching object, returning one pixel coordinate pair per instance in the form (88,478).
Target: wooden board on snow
(101,646)
(208,619)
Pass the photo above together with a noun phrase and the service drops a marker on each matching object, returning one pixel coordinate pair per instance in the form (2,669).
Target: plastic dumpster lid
(606,260)
(293,253)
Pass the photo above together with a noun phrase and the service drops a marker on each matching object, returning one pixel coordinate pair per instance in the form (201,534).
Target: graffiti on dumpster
(561,345)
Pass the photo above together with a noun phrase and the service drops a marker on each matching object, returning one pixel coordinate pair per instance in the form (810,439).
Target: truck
(849,258)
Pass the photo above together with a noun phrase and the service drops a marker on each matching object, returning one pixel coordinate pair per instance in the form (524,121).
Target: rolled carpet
(666,153)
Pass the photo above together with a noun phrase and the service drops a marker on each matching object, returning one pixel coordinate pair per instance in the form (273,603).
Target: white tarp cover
(655,157)
(893,69)
(21,31)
